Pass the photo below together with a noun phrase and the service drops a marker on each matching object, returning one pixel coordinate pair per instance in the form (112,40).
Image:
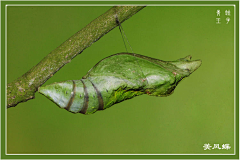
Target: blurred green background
(200,111)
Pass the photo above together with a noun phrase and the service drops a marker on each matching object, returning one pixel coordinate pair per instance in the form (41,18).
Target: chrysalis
(117,78)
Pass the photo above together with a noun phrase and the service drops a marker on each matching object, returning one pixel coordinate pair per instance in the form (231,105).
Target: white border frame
(232,5)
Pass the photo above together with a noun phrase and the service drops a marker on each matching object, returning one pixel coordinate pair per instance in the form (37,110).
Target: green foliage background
(200,111)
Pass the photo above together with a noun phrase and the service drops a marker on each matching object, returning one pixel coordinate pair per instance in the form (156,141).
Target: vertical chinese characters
(218,19)
(227,13)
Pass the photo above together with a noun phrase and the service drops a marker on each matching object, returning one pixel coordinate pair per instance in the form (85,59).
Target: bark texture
(23,88)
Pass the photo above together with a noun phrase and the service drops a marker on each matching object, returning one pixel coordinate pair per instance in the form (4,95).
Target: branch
(24,88)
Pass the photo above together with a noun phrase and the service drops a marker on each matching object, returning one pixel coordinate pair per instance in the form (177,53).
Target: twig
(24,88)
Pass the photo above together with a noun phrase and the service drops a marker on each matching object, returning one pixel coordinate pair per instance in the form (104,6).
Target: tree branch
(24,88)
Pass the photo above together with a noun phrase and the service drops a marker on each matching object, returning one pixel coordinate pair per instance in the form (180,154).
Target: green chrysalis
(117,78)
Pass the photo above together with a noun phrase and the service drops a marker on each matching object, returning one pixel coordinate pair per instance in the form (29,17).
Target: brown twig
(24,88)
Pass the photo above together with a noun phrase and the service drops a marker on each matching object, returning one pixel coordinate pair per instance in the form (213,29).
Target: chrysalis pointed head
(187,64)
(173,73)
